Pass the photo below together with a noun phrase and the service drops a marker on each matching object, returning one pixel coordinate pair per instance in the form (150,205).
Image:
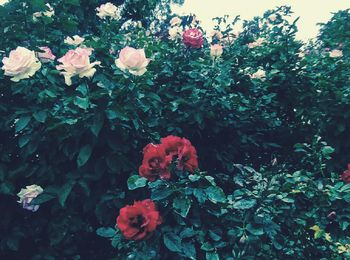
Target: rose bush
(153,80)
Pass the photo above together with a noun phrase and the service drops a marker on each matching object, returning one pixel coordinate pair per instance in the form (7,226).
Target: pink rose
(216,50)
(46,55)
(132,60)
(193,38)
(77,62)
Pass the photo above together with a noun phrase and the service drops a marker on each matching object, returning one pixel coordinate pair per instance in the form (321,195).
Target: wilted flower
(27,195)
(108,10)
(335,54)
(132,60)
(175,21)
(75,40)
(256,43)
(77,62)
(21,64)
(216,50)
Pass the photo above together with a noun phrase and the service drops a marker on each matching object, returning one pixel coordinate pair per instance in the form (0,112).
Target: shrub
(77,124)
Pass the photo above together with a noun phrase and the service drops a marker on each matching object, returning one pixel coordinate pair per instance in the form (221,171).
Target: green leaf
(255,231)
(200,195)
(211,256)
(136,181)
(172,242)
(189,250)
(161,194)
(215,194)
(106,232)
(84,155)
(43,197)
(182,205)
(83,103)
(23,140)
(22,123)
(64,193)
(40,116)
(244,204)
(97,124)
(327,150)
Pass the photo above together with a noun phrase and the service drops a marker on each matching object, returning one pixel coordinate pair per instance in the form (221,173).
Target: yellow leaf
(318,231)
(328,237)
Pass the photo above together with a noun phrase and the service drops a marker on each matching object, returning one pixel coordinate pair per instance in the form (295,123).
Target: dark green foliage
(83,143)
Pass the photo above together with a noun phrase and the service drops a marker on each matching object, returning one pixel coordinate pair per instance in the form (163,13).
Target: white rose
(21,64)
(27,195)
(108,10)
(75,40)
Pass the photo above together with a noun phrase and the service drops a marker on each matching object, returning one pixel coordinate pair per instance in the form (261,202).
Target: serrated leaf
(215,194)
(182,205)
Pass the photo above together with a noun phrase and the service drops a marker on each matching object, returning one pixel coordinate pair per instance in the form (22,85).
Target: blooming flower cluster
(157,158)
(139,220)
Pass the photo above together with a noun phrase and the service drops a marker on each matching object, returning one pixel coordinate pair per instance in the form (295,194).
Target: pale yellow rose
(27,195)
(259,74)
(21,64)
(335,54)
(75,40)
(108,10)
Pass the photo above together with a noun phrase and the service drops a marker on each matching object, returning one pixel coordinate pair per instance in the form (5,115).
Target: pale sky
(311,12)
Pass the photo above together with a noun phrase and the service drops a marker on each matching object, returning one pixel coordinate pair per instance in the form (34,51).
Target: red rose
(345,177)
(139,220)
(193,38)
(155,163)
(187,158)
(172,145)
